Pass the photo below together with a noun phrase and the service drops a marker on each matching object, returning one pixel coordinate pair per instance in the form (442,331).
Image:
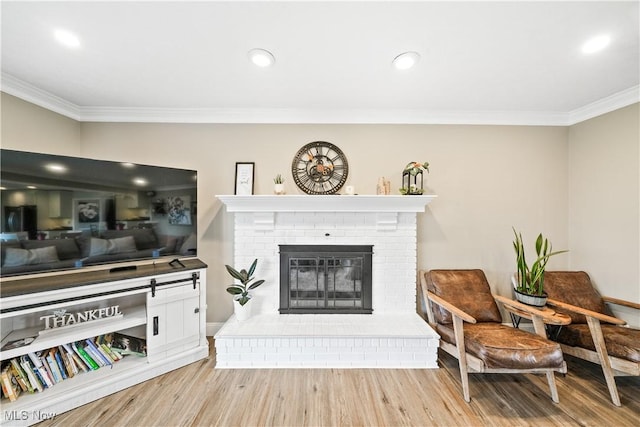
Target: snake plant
(530,280)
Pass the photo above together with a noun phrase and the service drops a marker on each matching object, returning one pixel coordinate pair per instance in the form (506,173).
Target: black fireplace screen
(325,279)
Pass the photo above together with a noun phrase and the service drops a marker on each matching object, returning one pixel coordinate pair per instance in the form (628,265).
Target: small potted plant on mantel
(528,282)
(240,292)
(278,184)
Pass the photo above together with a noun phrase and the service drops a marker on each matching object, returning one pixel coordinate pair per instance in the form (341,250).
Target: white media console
(162,303)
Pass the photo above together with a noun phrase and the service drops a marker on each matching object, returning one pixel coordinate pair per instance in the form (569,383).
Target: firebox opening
(325,279)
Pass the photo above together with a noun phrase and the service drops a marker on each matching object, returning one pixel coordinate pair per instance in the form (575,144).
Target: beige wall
(604,203)
(27,127)
(488,179)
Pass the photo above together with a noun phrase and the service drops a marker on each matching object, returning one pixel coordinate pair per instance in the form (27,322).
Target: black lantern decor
(413,178)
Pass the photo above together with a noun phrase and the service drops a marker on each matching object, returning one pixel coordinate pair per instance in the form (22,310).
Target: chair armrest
(622,302)
(449,307)
(547,316)
(584,311)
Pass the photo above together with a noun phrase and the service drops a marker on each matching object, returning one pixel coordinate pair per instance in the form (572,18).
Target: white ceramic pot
(242,312)
(278,188)
(534,300)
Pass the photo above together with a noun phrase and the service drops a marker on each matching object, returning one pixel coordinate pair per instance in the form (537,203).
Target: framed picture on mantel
(244,178)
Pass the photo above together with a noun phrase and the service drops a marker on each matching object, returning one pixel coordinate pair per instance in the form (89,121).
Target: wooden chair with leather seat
(463,311)
(594,334)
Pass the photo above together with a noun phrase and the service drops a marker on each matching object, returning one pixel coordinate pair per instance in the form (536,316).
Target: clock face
(320,168)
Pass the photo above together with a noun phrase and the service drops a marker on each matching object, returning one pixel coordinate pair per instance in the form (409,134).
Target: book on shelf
(85,356)
(58,360)
(105,353)
(128,344)
(10,385)
(28,366)
(96,354)
(42,372)
(68,362)
(21,376)
(52,367)
(36,383)
(105,341)
(47,368)
(112,354)
(76,358)
(91,354)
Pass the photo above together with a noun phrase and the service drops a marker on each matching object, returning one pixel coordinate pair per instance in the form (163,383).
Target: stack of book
(37,371)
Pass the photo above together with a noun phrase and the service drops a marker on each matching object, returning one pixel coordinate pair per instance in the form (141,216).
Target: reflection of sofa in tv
(27,256)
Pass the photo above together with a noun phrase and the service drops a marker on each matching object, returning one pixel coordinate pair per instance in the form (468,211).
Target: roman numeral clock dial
(320,168)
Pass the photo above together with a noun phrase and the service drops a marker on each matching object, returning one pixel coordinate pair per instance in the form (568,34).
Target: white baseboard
(213,328)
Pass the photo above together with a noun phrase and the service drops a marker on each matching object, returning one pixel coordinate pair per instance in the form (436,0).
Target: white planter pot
(534,300)
(278,188)
(242,312)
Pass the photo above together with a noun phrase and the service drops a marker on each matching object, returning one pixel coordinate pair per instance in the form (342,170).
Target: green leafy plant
(530,280)
(278,179)
(241,291)
(415,167)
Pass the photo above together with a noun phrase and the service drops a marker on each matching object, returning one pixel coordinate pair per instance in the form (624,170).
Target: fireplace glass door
(325,279)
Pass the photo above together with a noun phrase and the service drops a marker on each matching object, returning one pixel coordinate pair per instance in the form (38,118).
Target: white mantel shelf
(329,203)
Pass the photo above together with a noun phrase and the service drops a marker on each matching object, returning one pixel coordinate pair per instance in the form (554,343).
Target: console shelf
(165,305)
(134,317)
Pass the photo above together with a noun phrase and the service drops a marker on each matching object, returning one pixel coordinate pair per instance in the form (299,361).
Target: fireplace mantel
(329,203)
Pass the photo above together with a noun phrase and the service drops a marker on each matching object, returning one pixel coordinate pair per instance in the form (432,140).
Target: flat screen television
(61,212)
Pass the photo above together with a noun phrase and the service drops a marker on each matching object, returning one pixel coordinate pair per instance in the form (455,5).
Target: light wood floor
(199,395)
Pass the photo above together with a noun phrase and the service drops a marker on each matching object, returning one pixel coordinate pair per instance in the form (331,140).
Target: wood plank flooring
(199,395)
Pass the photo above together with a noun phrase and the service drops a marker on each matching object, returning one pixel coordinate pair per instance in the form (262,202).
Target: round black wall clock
(320,168)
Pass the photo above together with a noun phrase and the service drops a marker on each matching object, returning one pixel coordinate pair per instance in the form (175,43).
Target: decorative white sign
(60,318)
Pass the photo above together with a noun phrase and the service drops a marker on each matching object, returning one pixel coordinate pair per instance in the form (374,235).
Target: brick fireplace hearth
(393,336)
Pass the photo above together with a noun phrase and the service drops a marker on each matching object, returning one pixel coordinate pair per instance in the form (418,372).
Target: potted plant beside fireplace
(528,282)
(240,292)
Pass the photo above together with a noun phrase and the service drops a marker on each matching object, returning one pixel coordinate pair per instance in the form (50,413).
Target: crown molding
(605,105)
(322,116)
(42,98)
(18,88)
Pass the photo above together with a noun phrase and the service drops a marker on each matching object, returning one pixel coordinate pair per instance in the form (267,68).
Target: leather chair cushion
(501,346)
(620,341)
(467,290)
(575,288)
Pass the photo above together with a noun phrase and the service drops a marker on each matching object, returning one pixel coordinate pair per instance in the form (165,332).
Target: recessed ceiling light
(67,38)
(3,188)
(140,181)
(56,168)
(406,60)
(31,187)
(128,165)
(596,44)
(261,58)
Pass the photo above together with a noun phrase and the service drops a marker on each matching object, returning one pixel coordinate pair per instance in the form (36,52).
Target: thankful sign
(61,318)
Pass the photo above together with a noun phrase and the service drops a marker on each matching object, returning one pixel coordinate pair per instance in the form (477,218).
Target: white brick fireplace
(393,336)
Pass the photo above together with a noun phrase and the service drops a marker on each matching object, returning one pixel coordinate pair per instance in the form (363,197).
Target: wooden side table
(553,321)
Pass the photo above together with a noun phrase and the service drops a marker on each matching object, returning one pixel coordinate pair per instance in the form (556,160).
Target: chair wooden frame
(471,364)
(611,366)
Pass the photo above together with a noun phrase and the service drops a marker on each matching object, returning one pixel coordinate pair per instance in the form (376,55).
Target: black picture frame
(244,178)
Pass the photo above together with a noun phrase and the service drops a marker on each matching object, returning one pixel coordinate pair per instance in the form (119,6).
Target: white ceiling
(481,62)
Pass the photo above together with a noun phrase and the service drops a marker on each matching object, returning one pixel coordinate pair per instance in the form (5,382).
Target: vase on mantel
(278,189)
